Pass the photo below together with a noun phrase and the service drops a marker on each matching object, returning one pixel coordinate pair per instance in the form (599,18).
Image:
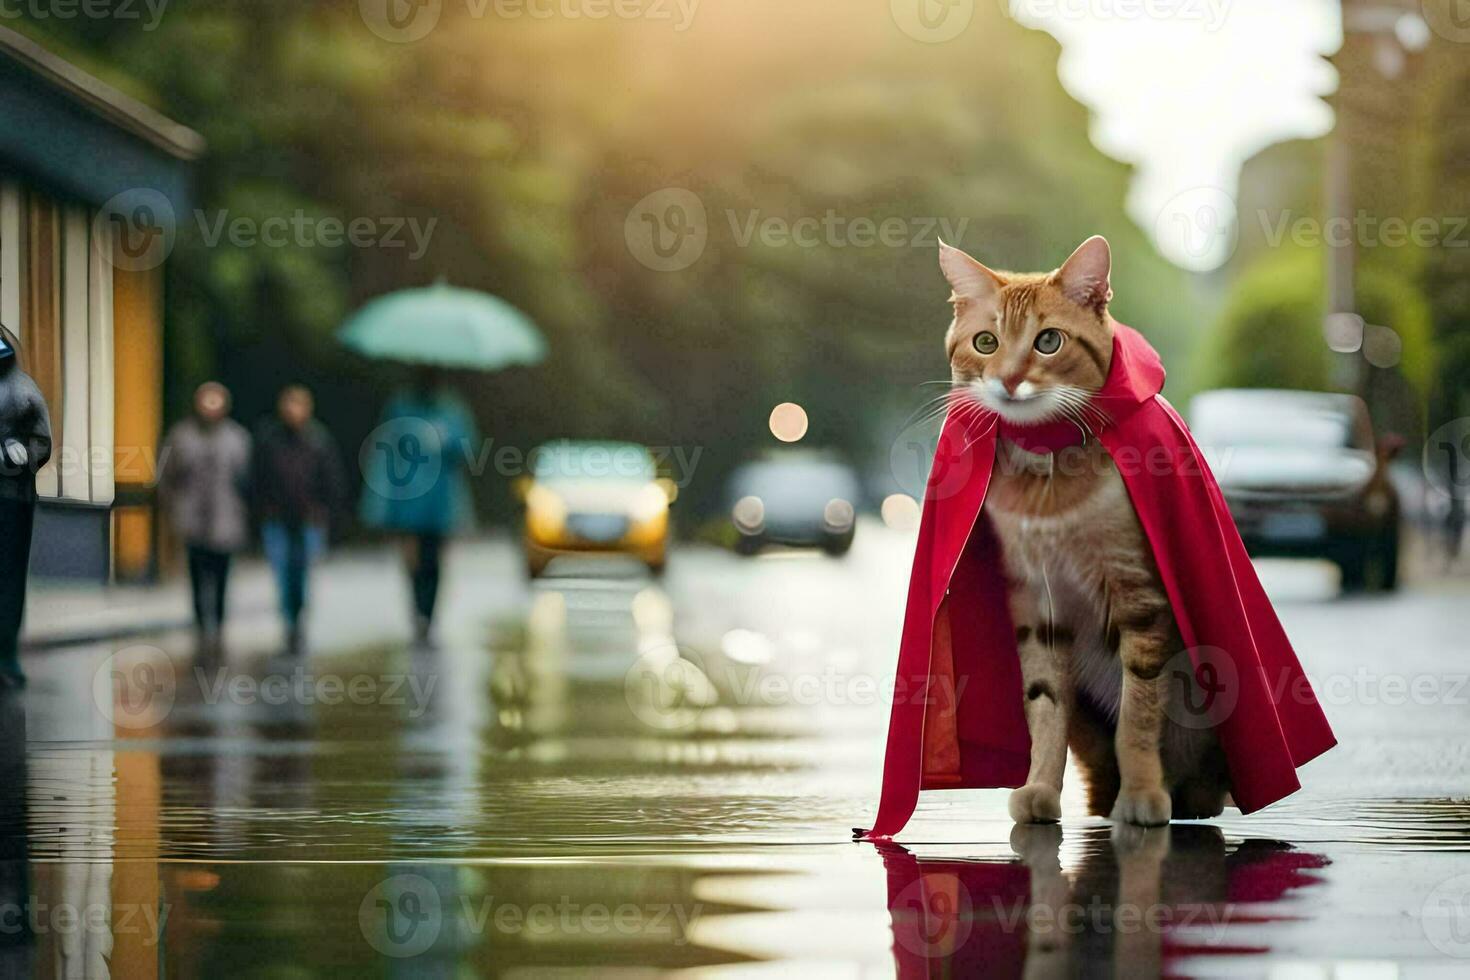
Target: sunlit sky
(1190,91)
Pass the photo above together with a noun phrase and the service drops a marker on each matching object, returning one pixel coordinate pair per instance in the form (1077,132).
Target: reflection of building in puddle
(86,919)
(17,943)
(1133,903)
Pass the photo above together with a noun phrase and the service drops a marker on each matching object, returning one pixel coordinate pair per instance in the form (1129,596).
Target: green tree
(1269,335)
(530,141)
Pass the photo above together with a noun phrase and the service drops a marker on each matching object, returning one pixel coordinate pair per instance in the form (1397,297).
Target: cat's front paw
(1036,803)
(1142,807)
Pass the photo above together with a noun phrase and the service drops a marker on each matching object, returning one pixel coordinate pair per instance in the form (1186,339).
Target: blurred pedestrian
(1454,518)
(297,484)
(204,476)
(414,470)
(25,446)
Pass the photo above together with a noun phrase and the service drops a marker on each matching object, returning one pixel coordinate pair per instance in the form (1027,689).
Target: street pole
(1342,328)
(1380,33)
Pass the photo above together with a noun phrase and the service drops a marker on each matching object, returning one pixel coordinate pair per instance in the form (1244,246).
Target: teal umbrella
(446,327)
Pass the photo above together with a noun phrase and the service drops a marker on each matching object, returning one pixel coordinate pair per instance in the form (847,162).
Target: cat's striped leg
(1046,683)
(1143,649)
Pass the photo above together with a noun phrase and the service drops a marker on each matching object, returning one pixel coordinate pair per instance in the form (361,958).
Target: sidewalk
(358,596)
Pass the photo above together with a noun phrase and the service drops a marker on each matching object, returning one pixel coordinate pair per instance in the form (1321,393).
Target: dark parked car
(796,498)
(1304,477)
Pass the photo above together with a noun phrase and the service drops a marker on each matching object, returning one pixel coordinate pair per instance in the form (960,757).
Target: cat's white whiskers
(1078,406)
(932,409)
(981,413)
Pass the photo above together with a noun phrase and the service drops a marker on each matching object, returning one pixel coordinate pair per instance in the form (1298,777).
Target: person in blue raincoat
(415,467)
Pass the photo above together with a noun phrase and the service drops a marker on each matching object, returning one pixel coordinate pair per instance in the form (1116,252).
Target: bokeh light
(900,511)
(788,422)
(1381,346)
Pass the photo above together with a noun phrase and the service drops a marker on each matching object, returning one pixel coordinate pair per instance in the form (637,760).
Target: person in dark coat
(25,446)
(298,486)
(203,479)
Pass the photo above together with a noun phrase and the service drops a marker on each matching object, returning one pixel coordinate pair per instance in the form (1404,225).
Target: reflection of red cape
(953,918)
(967,645)
(964,918)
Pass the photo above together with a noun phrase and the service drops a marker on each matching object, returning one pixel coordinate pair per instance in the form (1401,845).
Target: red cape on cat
(958,649)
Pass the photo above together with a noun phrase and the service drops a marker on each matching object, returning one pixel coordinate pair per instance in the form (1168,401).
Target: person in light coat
(203,482)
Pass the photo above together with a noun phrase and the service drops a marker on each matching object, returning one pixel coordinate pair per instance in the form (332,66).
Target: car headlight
(546,512)
(749,514)
(838,514)
(651,503)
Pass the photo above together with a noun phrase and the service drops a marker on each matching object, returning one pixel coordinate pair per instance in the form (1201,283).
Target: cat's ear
(971,281)
(1084,277)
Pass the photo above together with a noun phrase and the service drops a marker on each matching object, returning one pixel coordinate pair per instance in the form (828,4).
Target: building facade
(90,182)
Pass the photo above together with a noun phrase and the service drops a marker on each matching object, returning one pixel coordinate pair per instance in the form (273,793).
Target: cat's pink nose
(1011,383)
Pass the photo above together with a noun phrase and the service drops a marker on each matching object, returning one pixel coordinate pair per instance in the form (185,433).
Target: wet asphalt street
(603,772)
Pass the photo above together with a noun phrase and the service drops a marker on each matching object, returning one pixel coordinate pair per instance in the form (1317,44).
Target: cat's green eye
(1049,341)
(986,342)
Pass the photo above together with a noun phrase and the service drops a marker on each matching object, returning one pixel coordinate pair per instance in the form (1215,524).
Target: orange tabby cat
(1094,628)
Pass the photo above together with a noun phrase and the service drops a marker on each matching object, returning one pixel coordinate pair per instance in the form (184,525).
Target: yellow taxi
(595,499)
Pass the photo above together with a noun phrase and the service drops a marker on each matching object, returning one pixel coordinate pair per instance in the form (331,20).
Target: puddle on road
(608,782)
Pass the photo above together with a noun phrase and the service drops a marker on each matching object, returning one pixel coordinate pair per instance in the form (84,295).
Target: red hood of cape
(957,633)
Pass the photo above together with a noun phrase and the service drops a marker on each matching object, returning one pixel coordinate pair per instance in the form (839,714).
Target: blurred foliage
(1269,334)
(1407,140)
(530,141)
(1389,298)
